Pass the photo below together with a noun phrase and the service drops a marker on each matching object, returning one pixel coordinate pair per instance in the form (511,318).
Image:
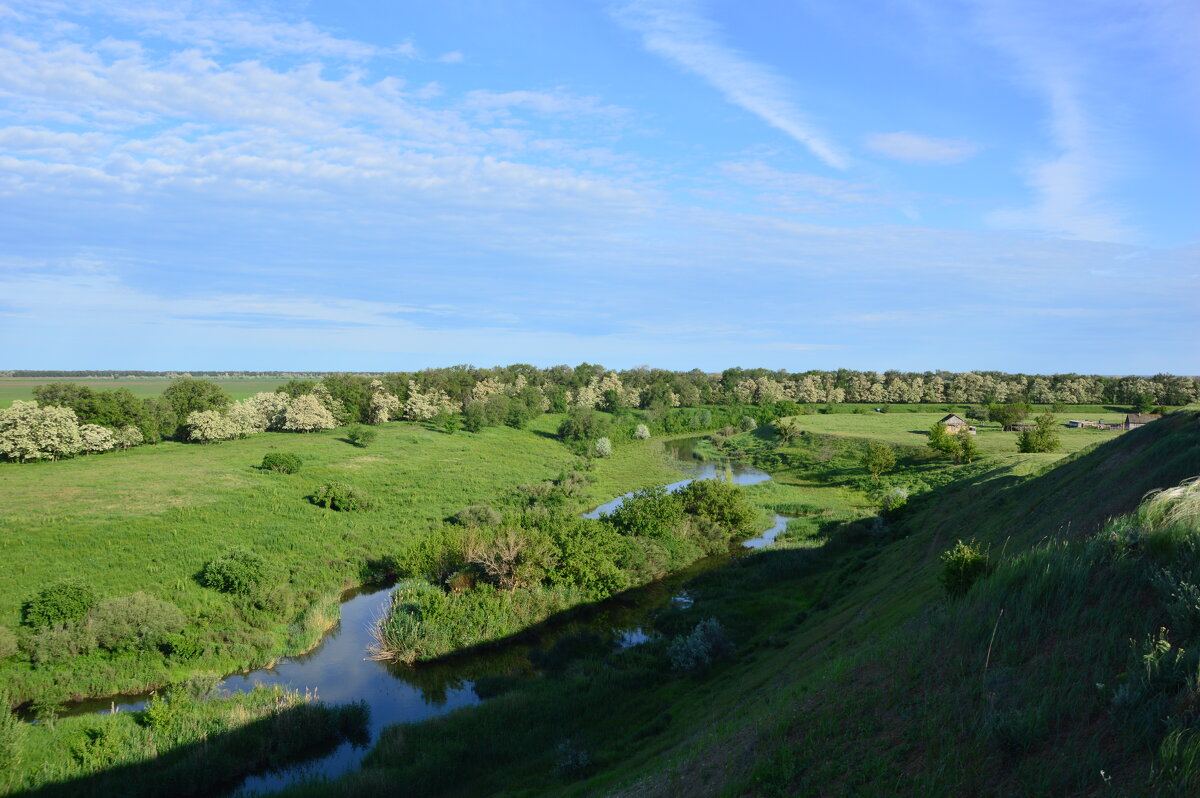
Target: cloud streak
(914,148)
(674,31)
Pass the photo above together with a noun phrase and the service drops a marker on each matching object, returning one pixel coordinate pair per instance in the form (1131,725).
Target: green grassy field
(911,428)
(22,387)
(149,518)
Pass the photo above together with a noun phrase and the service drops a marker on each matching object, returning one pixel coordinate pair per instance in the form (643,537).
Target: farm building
(1135,420)
(955,425)
(1096,425)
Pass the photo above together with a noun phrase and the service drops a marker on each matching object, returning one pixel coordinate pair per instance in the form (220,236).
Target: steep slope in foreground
(1066,671)
(853,674)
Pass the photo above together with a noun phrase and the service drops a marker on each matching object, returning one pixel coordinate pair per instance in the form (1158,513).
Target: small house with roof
(954,425)
(1135,420)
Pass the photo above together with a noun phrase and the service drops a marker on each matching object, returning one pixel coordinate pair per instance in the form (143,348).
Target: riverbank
(150,518)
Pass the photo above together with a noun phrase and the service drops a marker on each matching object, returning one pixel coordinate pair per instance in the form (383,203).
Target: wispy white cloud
(673,30)
(1070,186)
(914,148)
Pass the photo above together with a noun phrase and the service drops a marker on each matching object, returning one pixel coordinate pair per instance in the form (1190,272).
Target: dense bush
(582,425)
(341,497)
(283,462)
(60,642)
(722,503)
(478,515)
(648,513)
(361,436)
(641,432)
(239,572)
(699,648)
(475,417)
(66,601)
(603,447)
(962,567)
(589,557)
(134,622)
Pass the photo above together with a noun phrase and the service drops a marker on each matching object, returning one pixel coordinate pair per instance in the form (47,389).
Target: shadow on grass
(218,763)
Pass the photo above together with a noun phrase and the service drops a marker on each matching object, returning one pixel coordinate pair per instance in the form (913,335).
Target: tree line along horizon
(66,419)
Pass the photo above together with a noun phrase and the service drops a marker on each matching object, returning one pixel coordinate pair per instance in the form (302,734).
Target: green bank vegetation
(186,742)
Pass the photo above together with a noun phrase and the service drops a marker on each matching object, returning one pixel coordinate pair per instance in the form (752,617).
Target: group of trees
(69,419)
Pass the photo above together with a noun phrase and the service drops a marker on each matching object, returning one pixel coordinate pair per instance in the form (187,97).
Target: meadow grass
(910,427)
(149,518)
(22,387)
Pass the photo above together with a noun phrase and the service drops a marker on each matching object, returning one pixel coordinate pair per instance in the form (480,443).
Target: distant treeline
(750,386)
(105,374)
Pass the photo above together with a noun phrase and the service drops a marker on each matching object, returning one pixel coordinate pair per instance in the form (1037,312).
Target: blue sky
(910,184)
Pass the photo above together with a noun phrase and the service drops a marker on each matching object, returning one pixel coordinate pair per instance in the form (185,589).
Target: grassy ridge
(149,518)
(853,675)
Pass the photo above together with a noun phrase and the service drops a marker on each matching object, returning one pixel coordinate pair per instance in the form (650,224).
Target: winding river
(338,672)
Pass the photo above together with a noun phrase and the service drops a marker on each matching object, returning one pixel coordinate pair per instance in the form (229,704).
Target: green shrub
(341,497)
(582,425)
(962,567)
(361,436)
(59,643)
(748,424)
(648,513)
(283,462)
(134,622)
(239,572)
(894,500)
(8,642)
(66,601)
(478,515)
(1043,438)
(699,648)
(722,503)
(570,759)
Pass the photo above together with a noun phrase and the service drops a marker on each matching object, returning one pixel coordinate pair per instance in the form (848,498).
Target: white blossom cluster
(422,406)
(30,432)
(262,412)
(384,406)
(592,394)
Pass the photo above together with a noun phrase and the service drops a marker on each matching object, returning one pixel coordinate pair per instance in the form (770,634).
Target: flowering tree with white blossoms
(384,406)
(211,426)
(95,438)
(260,412)
(129,436)
(424,406)
(307,414)
(29,432)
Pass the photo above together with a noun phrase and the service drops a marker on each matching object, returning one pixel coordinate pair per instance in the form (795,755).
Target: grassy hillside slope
(852,673)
